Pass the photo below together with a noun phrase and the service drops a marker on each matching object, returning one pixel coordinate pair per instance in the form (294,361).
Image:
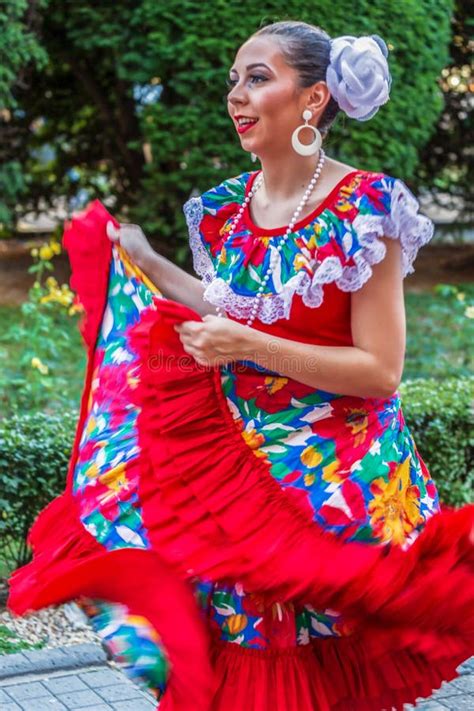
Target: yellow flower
(61,295)
(75,309)
(395,508)
(253,439)
(310,457)
(36,363)
(309,479)
(46,253)
(332,473)
(56,247)
(115,478)
(299,261)
(469,312)
(274,384)
(34,252)
(358,420)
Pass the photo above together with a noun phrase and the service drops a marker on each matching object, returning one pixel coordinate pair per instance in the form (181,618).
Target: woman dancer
(272,469)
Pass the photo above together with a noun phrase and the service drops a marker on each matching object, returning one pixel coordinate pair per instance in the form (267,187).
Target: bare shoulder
(338,169)
(334,172)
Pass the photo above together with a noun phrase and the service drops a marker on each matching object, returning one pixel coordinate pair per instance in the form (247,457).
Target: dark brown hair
(306,49)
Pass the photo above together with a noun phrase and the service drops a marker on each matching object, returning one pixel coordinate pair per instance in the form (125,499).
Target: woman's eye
(254,79)
(258,77)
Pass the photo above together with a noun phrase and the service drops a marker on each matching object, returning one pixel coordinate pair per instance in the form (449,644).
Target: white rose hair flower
(358,76)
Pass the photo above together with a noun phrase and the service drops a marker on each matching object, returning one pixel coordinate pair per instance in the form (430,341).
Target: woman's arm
(373,366)
(173,282)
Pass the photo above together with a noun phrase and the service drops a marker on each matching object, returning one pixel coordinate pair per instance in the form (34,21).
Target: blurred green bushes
(131,102)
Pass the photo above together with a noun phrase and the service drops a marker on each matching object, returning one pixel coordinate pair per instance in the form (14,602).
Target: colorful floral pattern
(339,244)
(349,463)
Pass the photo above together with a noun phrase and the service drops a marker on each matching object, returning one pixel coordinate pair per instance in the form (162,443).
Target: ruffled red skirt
(411,612)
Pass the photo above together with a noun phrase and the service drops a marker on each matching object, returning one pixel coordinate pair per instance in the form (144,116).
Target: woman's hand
(214,341)
(132,239)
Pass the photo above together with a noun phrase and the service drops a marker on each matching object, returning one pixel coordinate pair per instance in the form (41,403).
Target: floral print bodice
(329,254)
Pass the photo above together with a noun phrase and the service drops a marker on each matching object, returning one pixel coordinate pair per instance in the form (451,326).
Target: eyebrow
(251,66)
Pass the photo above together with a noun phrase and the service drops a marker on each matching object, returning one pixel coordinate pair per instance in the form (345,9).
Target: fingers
(113,233)
(188,328)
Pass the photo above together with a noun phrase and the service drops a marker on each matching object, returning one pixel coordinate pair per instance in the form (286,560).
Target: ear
(317,98)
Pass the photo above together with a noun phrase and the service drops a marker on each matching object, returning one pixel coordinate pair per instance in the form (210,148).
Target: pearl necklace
(289,230)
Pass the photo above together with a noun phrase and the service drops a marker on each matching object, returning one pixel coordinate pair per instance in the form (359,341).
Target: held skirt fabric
(241,541)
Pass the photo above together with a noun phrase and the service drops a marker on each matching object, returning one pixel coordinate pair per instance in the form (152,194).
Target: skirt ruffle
(212,510)
(325,675)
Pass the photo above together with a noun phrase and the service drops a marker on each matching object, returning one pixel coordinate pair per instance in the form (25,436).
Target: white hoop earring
(310,148)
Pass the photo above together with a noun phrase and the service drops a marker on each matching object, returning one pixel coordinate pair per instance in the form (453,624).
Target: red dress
(311,511)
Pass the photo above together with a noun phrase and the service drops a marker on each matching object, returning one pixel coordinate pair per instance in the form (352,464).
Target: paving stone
(47,660)
(42,661)
(430,706)
(45,703)
(85,655)
(459,703)
(447,689)
(119,692)
(467,667)
(135,705)
(80,699)
(26,690)
(65,684)
(12,665)
(50,658)
(10,707)
(4,698)
(465,683)
(101,677)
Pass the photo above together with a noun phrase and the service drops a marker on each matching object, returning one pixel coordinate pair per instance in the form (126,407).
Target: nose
(237,95)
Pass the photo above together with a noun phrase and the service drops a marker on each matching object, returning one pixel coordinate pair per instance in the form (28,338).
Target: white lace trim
(403,223)
(202,262)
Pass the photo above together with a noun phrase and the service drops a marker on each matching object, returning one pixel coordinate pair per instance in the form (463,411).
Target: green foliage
(34,455)
(98,127)
(440,332)
(12,187)
(441,418)
(446,164)
(10,642)
(20,51)
(19,45)
(41,357)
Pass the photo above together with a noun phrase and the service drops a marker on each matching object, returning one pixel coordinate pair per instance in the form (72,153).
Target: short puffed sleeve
(207,217)
(381,206)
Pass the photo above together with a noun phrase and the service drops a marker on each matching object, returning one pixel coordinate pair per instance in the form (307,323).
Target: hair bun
(358,76)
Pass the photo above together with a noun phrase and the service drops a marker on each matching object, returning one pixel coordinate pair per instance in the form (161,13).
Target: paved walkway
(75,677)
(80,678)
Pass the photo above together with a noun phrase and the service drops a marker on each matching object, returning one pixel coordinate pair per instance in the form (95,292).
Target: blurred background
(125,102)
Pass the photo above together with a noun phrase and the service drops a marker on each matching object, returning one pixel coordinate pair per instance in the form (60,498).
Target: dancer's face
(263,87)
